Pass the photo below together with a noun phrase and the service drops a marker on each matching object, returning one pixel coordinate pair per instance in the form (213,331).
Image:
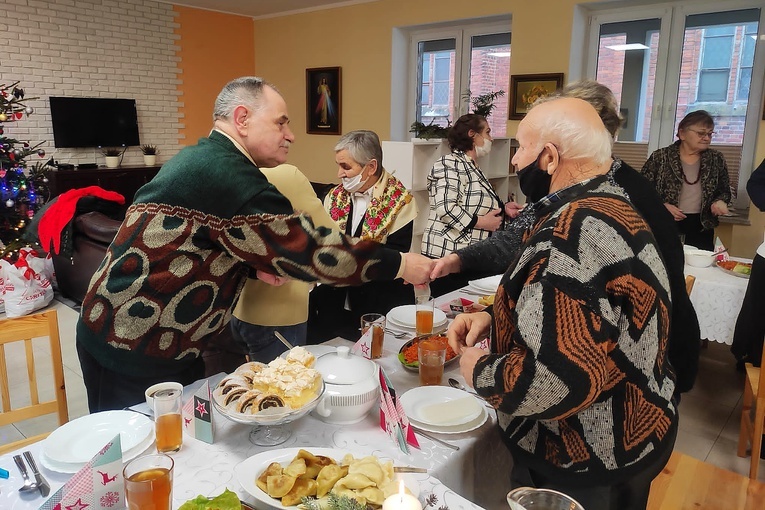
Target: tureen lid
(342,367)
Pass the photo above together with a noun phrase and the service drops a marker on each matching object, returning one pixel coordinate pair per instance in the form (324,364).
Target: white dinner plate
(418,405)
(73,467)
(488,284)
(405,315)
(454,429)
(79,440)
(248,471)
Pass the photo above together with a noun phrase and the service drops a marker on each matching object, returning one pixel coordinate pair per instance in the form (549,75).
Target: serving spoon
(29,485)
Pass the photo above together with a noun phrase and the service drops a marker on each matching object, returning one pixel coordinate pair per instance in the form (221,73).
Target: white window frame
(663,115)
(462,31)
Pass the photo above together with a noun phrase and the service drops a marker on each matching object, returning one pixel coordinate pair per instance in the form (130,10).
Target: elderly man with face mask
(578,368)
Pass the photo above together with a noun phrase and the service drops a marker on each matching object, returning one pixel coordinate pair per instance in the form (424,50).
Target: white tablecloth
(717,298)
(478,472)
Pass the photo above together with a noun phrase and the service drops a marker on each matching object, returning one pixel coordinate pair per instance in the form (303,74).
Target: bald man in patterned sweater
(578,367)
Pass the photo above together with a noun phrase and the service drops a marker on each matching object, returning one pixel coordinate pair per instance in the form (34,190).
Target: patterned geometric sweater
(188,242)
(578,372)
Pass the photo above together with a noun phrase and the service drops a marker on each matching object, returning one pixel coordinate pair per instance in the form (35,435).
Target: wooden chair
(22,330)
(689,281)
(753,415)
(687,483)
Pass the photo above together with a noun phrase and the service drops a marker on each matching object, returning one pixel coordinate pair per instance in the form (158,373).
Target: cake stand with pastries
(270,397)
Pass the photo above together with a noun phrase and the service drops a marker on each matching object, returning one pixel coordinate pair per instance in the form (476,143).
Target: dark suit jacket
(685,337)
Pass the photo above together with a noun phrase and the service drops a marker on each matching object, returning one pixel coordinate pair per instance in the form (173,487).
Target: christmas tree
(23,186)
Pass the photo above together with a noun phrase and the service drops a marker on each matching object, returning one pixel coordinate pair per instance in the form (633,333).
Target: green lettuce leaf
(226,501)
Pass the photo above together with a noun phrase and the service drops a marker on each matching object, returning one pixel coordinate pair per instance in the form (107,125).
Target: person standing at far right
(692,179)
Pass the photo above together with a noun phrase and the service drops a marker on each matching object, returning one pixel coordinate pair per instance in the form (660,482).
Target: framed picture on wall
(527,88)
(323,99)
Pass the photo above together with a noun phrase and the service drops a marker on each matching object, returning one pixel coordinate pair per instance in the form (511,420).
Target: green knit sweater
(579,372)
(188,242)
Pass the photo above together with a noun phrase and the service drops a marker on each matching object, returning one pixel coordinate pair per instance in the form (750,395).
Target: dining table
(475,476)
(717,297)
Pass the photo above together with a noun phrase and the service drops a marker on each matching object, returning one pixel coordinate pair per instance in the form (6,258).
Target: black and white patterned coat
(458,193)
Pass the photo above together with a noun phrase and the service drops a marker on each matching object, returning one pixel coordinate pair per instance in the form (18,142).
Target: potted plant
(428,131)
(484,103)
(149,154)
(113,156)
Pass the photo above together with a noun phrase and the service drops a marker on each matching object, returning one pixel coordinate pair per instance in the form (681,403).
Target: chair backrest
(689,281)
(16,336)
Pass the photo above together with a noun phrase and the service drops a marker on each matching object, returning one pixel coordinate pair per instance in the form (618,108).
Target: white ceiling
(264,8)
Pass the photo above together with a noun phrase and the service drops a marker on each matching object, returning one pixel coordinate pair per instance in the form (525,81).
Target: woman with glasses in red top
(692,179)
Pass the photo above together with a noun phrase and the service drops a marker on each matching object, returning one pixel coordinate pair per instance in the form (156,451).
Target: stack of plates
(443,409)
(68,448)
(405,317)
(486,285)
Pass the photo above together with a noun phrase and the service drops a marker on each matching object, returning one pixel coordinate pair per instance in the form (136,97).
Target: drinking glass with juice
(375,321)
(149,482)
(168,424)
(431,358)
(424,315)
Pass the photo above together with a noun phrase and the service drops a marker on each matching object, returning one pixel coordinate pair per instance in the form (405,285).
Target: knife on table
(42,483)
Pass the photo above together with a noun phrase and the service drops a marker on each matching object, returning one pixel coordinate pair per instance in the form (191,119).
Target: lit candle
(402,500)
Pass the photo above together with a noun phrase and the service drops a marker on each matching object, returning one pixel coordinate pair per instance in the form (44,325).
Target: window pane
(727,86)
(436,81)
(744,80)
(713,85)
(490,72)
(717,52)
(441,93)
(747,55)
(721,30)
(630,73)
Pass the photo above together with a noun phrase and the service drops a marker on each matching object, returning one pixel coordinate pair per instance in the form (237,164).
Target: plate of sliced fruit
(735,268)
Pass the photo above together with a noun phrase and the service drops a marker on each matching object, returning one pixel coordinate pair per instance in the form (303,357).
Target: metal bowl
(415,367)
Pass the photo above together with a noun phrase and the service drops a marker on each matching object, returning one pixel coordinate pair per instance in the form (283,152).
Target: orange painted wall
(214,48)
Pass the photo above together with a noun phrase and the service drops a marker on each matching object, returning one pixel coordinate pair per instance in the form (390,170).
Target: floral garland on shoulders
(381,211)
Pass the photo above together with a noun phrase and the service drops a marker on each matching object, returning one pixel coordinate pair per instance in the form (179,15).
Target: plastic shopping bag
(25,289)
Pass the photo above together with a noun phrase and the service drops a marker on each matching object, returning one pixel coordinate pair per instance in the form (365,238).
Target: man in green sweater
(187,244)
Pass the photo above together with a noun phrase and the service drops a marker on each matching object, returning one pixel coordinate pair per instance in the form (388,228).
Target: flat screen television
(94,122)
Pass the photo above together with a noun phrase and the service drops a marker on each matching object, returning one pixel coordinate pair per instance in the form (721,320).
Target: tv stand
(125,180)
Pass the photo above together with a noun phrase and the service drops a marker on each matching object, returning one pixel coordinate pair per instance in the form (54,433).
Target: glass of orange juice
(168,424)
(375,321)
(424,314)
(431,357)
(149,482)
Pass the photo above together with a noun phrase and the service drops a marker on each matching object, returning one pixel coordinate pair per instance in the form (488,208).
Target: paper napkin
(720,251)
(393,419)
(363,347)
(197,415)
(98,485)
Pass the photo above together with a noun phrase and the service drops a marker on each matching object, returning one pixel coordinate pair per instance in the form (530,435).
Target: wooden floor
(687,483)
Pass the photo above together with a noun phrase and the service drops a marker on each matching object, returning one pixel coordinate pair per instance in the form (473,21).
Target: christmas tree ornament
(2,173)
(9,203)
(41,153)
(3,117)
(29,110)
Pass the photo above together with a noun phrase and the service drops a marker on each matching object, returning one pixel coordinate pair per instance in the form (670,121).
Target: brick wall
(92,48)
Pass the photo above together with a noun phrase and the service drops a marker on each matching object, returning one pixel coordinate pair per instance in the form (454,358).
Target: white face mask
(483,150)
(355,183)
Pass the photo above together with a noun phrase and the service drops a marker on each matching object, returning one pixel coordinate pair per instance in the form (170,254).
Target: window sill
(736,217)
